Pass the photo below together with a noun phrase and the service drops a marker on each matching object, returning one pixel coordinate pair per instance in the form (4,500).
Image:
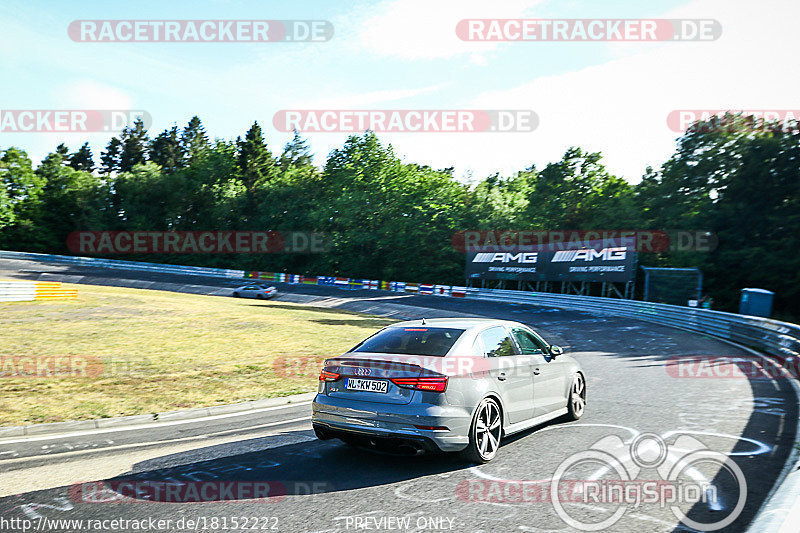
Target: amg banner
(556,262)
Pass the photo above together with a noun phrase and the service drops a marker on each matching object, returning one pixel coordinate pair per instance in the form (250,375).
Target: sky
(612,97)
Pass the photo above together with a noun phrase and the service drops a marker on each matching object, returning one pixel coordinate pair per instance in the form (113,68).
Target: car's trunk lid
(360,369)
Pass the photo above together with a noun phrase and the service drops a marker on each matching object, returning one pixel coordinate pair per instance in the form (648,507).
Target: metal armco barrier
(124,265)
(780,339)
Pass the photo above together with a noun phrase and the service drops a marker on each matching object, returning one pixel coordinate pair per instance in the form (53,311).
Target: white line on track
(205,436)
(153,425)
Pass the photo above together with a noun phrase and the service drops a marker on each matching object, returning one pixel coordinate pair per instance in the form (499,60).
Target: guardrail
(124,265)
(779,339)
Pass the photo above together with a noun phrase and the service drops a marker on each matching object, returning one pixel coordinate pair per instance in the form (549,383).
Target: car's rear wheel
(485,432)
(261,297)
(236,295)
(577,397)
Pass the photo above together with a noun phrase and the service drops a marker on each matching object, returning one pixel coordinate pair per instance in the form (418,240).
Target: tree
(134,146)
(110,158)
(737,178)
(166,150)
(82,159)
(19,201)
(387,219)
(150,199)
(6,210)
(22,185)
(194,141)
(296,154)
(256,164)
(71,200)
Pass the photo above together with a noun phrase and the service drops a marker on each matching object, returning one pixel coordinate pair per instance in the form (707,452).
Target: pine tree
(110,159)
(166,150)
(63,151)
(82,159)
(296,153)
(256,164)
(134,145)
(194,140)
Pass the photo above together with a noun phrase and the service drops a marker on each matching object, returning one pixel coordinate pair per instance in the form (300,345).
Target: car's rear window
(412,341)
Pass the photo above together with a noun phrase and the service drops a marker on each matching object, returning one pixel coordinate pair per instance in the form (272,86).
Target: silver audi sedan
(449,384)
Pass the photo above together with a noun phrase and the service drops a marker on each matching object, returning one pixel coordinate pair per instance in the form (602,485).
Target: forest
(384,218)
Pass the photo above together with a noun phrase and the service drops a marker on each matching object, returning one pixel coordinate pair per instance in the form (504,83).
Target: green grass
(152,351)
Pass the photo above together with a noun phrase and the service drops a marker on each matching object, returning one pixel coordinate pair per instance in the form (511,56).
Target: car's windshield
(412,341)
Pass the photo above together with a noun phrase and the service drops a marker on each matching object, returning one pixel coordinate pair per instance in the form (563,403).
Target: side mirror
(556,350)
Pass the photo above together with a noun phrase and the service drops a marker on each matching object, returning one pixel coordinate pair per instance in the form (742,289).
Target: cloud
(359,100)
(90,94)
(620,107)
(421,29)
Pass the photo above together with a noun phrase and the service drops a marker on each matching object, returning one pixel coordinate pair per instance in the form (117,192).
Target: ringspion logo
(200,31)
(406,120)
(588,30)
(612,482)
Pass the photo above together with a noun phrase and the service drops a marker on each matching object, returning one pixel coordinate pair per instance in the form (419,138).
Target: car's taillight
(326,375)
(432,384)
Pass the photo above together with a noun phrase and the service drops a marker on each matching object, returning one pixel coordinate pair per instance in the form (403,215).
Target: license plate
(367,385)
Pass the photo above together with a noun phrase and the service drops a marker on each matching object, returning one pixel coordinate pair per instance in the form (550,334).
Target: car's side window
(477,347)
(528,343)
(497,342)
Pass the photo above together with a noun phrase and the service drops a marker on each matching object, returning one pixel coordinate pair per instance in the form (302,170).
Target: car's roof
(459,323)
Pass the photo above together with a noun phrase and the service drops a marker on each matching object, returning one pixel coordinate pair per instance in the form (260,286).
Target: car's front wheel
(577,397)
(485,432)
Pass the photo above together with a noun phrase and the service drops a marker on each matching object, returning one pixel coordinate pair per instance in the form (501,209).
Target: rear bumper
(340,418)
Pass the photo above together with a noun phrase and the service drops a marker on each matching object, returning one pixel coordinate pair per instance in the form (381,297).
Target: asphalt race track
(328,486)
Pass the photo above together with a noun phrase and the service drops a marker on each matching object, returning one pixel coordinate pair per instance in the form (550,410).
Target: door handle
(536,371)
(501,376)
